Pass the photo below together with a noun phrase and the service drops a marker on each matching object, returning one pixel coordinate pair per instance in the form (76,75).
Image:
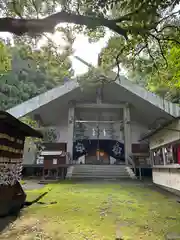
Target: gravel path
(32,184)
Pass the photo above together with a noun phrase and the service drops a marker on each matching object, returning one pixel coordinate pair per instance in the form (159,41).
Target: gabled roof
(154,131)
(23,128)
(42,99)
(39,101)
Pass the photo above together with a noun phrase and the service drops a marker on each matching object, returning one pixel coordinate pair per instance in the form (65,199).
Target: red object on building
(178,154)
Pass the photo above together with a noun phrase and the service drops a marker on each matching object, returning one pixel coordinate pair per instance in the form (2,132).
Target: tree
(155,67)
(33,71)
(165,80)
(5,58)
(146,20)
(141,27)
(161,78)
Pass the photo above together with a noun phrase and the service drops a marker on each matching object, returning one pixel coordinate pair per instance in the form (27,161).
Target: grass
(22,182)
(95,211)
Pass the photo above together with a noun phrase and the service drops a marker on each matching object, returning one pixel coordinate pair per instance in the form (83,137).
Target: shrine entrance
(103,151)
(98,135)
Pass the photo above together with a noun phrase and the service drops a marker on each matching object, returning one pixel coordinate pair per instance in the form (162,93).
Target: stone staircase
(83,171)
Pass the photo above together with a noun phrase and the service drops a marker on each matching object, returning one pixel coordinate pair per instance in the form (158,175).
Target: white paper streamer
(10,173)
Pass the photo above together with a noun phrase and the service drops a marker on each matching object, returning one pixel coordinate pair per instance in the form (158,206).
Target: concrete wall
(29,152)
(166,135)
(167,177)
(61,130)
(137,130)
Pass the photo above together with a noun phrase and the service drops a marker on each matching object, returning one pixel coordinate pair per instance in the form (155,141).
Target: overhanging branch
(39,26)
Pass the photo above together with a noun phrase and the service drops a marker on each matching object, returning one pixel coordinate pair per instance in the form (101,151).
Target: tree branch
(140,50)
(39,26)
(169,39)
(117,64)
(151,56)
(165,18)
(160,48)
(168,26)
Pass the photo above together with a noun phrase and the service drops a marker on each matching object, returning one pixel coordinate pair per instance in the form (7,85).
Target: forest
(144,40)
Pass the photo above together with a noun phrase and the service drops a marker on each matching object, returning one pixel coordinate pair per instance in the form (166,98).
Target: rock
(173,236)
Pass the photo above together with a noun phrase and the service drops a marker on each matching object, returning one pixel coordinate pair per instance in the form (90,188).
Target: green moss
(98,211)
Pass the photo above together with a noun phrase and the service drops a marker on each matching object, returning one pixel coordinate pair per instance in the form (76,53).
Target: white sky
(86,51)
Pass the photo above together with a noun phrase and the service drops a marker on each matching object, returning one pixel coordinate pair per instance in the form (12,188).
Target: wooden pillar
(70,137)
(164,156)
(43,173)
(99,93)
(127,132)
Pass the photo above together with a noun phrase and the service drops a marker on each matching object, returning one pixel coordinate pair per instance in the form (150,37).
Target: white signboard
(167,135)
(40,160)
(167,179)
(54,161)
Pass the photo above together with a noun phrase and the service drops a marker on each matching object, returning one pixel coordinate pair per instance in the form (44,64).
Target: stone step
(98,165)
(101,169)
(99,177)
(98,172)
(101,173)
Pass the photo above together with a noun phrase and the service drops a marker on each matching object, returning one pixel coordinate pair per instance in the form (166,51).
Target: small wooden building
(53,159)
(164,145)
(12,137)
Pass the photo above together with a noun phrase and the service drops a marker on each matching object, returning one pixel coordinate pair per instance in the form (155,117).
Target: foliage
(156,69)
(162,79)
(33,71)
(148,28)
(37,141)
(5,60)
(94,78)
(27,120)
(143,21)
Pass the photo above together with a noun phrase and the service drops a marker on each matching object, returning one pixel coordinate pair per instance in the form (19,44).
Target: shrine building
(94,132)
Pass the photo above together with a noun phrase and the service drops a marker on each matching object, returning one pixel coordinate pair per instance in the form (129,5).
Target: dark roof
(151,133)
(14,122)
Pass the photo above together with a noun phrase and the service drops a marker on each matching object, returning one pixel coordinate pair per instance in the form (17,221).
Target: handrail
(131,161)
